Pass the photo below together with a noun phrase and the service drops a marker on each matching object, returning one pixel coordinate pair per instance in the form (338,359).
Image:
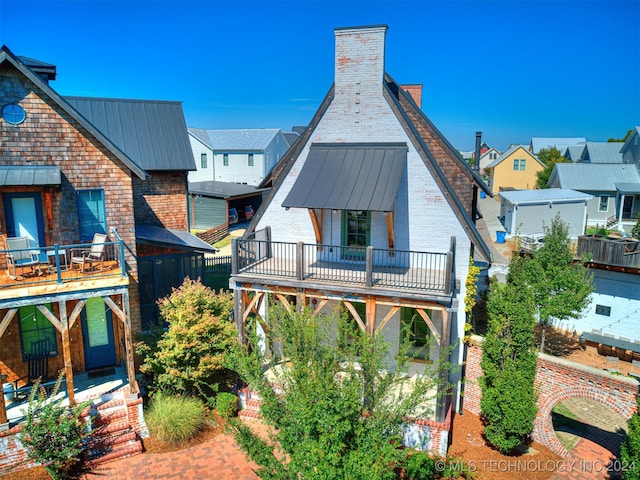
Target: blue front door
(97,330)
(24,216)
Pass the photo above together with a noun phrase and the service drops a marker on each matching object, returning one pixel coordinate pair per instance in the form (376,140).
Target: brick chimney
(359,64)
(415,91)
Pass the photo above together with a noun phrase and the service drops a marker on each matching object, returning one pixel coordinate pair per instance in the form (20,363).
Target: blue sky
(512,69)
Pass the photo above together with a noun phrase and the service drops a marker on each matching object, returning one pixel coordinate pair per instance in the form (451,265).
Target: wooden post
(128,341)
(238,314)
(300,261)
(371,315)
(4,423)
(66,351)
(441,408)
(369,266)
(234,256)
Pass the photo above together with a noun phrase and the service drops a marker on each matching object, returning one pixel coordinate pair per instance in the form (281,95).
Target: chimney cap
(363,27)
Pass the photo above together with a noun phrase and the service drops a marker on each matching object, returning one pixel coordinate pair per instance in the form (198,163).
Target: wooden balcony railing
(366,266)
(55,265)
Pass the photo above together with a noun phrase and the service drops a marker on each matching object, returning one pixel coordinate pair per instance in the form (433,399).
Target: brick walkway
(594,455)
(219,458)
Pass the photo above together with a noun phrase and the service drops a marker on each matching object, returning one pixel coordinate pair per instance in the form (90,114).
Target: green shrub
(190,357)
(53,433)
(420,466)
(630,448)
(175,418)
(227,404)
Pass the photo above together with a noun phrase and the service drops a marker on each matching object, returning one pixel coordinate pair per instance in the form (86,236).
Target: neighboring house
(601,152)
(529,211)
(614,306)
(515,169)
(236,156)
(71,168)
(488,157)
(539,143)
(373,209)
(615,189)
(631,148)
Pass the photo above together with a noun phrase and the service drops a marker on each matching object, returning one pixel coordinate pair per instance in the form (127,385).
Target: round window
(13,113)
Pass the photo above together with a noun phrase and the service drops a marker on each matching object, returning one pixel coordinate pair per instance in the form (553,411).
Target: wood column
(4,324)
(66,351)
(128,341)
(238,316)
(371,307)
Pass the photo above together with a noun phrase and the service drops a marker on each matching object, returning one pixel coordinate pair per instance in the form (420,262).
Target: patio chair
(37,370)
(20,255)
(87,258)
(612,364)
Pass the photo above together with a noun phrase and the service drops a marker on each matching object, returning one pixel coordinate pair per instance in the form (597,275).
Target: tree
(561,285)
(53,433)
(630,448)
(190,356)
(344,404)
(635,231)
(508,403)
(623,139)
(549,157)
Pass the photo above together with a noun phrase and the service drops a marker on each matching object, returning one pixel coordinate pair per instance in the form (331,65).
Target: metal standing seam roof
(223,189)
(152,133)
(168,237)
(573,152)
(544,195)
(350,177)
(628,188)
(256,139)
(14,175)
(602,152)
(538,143)
(599,177)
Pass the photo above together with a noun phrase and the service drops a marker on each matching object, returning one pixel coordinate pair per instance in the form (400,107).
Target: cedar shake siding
(161,200)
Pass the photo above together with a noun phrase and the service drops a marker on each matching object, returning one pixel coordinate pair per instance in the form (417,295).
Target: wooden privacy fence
(622,252)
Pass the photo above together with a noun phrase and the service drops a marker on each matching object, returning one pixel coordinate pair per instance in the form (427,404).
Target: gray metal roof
(538,143)
(594,177)
(574,152)
(634,131)
(628,188)
(14,175)
(350,177)
(168,237)
(223,189)
(152,133)
(238,140)
(544,195)
(201,134)
(602,152)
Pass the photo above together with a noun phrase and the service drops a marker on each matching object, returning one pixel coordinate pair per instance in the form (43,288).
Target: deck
(55,274)
(326,265)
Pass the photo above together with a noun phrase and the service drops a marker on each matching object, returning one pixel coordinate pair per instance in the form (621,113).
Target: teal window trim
(225,159)
(34,326)
(603,205)
(356,234)
(250,160)
(92,216)
(203,160)
(519,164)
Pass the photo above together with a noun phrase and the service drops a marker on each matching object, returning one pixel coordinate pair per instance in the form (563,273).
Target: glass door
(356,234)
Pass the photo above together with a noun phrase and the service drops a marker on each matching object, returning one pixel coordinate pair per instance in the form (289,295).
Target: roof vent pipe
(476,163)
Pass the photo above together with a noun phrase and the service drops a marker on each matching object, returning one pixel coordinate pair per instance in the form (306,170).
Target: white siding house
(236,156)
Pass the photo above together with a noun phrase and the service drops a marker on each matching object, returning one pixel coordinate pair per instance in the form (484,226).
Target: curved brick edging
(557,380)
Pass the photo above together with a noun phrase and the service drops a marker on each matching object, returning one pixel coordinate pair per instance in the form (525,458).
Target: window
(92,217)
(418,330)
(519,164)
(603,310)
(225,159)
(251,159)
(604,204)
(203,160)
(356,227)
(34,328)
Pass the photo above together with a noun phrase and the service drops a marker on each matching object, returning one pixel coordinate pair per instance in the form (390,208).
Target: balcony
(52,271)
(311,265)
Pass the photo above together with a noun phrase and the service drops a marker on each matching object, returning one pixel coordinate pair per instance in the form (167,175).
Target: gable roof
(256,139)
(538,143)
(509,152)
(636,131)
(595,177)
(574,152)
(7,56)
(223,189)
(201,135)
(602,152)
(168,237)
(152,133)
